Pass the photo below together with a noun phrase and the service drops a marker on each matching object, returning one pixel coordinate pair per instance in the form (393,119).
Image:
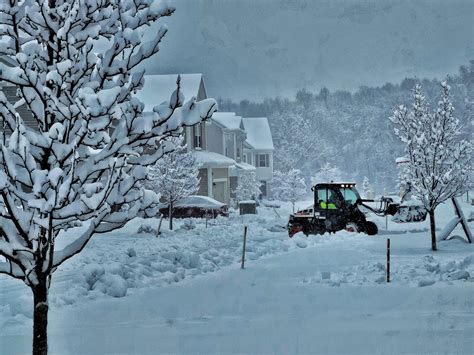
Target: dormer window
(197,136)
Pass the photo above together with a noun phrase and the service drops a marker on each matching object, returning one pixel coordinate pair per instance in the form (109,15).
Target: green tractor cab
(336,207)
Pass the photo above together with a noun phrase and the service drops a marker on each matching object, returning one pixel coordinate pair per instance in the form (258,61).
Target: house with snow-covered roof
(214,166)
(258,150)
(226,136)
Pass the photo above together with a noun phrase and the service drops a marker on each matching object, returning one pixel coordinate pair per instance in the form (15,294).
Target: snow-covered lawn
(185,293)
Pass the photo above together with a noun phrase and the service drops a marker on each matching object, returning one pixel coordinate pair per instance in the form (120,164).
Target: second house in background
(258,150)
(226,136)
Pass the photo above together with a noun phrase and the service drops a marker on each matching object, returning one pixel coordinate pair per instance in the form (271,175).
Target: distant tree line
(351,130)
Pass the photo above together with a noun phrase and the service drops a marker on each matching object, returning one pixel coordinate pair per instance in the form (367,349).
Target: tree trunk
(433,230)
(40,318)
(171,215)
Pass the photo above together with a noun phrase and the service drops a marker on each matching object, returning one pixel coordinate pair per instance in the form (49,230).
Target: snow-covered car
(197,207)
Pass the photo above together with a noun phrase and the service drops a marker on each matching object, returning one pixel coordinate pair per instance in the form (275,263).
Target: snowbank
(125,262)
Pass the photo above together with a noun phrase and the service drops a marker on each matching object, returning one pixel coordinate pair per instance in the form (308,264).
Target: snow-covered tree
(83,161)
(289,186)
(175,176)
(439,160)
(248,187)
(367,188)
(295,142)
(327,173)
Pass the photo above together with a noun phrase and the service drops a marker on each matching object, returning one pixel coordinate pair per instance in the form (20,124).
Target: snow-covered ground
(185,292)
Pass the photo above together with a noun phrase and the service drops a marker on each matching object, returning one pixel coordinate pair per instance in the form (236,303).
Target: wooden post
(388,259)
(159,227)
(386,223)
(244,247)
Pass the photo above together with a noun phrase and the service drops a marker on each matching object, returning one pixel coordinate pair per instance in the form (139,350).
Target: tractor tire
(371,228)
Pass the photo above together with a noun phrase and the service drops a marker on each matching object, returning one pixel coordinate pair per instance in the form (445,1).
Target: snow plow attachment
(407,213)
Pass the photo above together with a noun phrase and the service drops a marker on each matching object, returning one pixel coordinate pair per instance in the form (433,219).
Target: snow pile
(425,272)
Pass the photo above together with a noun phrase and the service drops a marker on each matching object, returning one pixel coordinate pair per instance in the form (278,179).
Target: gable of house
(158,88)
(259,136)
(228,120)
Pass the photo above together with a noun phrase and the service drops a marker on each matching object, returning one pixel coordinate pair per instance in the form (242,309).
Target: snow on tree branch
(84,160)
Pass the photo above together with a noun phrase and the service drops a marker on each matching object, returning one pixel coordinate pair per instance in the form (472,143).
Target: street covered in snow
(146,210)
(184,292)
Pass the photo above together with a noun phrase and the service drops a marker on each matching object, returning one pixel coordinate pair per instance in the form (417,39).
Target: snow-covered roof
(228,119)
(158,88)
(402,160)
(258,132)
(212,160)
(241,167)
(245,166)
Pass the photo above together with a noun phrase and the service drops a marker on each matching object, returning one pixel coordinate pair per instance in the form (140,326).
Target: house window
(263,160)
(245,158)
(197,136)
(238,153)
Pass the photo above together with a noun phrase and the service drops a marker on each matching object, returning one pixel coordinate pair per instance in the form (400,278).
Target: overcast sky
(264,48)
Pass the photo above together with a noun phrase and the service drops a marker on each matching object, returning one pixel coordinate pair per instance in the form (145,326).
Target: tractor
(338,206)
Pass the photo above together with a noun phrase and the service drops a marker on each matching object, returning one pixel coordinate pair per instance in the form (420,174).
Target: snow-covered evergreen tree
(248,187)
(289,186)
(367,188)
(175,176)
(439,160)
(85,158)
(403,179)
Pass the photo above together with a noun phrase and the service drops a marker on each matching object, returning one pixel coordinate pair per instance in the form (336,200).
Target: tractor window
(326,199)
(349,195)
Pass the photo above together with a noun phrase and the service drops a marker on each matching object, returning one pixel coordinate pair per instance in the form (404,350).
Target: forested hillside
(350,130)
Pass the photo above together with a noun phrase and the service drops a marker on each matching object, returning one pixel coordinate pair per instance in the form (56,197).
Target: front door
(218,191)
